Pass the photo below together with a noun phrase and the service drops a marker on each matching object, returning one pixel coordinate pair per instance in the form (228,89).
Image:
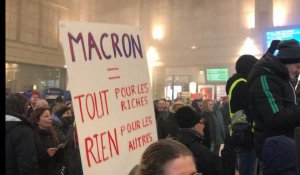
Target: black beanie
(61,111)
(244,64)
(289,51)
(186,117)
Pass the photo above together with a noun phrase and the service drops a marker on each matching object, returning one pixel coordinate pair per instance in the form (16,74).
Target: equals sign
(113,69)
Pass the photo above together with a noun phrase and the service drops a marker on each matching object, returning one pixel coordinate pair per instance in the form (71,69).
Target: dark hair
(158,154)
(16,104)
(36,116)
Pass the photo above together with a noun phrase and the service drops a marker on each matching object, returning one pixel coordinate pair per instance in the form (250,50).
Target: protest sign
(111,94)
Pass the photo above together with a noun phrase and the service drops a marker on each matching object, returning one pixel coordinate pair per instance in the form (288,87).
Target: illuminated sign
(217,74)
(282,34)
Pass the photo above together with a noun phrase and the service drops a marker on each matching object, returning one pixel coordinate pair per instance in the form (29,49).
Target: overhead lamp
(157,32)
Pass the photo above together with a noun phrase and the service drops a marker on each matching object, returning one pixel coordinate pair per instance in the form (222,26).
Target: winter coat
(240,95)
(166,124)
(272,101)
(21,156)
(207,162)
(209,130)
(48,165)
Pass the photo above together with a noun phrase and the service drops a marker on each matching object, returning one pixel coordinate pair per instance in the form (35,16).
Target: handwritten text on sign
(112,101)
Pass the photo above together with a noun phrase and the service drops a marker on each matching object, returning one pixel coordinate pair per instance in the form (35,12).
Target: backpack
(240,129)
(242,135)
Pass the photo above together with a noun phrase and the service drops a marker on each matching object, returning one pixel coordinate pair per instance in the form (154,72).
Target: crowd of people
(250,131)
(40,138)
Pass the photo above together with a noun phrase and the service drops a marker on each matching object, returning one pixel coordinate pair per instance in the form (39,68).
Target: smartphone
(62,145)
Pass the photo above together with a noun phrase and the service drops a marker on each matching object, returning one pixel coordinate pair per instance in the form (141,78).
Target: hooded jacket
(21,156)
(272,101)
(240,94)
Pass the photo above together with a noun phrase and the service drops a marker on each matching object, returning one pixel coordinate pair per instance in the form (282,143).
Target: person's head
(167,157)
(35,96)
(16,104)
(196,104)
(168,104)
(289,55)
(64,111)
(187,117)
(162,104)
(208,105)
(179,99)
(41,103)
(175,106)
(59,99)
(244,64)
(42,119)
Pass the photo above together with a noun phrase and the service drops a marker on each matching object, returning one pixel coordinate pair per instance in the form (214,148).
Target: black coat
(166,124)
(240,94)
(272,101)
(207,162)
(48,165)
(21,156)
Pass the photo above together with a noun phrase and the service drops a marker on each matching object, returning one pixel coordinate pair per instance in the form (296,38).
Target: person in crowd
(35,96)
(175,106)
(63,123)
(168,104)
(197,105)
(161,106)
(20,150)
(50,156)
(298,91)
(63,126)
(272,96)
(279,156)
(214,129)
(167,157)
(179,99)
(224,108)
(220,136)
(166,124)
(42,103)
(191,134)
(238,101)
(155,104)
(57,104)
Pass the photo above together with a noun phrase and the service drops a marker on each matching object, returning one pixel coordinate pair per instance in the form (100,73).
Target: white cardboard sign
(111,95)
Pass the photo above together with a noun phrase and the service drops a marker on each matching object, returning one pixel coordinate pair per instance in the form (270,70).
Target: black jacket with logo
(272,101)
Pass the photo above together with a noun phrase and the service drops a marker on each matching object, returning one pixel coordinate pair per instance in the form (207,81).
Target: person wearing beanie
(191,134)
(272,95)
(244,155)
(62,122)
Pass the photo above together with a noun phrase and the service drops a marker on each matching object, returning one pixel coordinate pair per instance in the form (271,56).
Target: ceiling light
(193,47)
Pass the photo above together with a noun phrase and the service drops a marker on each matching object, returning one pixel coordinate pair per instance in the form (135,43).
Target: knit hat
(61,111)
(289,51)
(186,117)
(244,64)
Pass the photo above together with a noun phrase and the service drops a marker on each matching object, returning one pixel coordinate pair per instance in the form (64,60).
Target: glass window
(175,84)
(21,77)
